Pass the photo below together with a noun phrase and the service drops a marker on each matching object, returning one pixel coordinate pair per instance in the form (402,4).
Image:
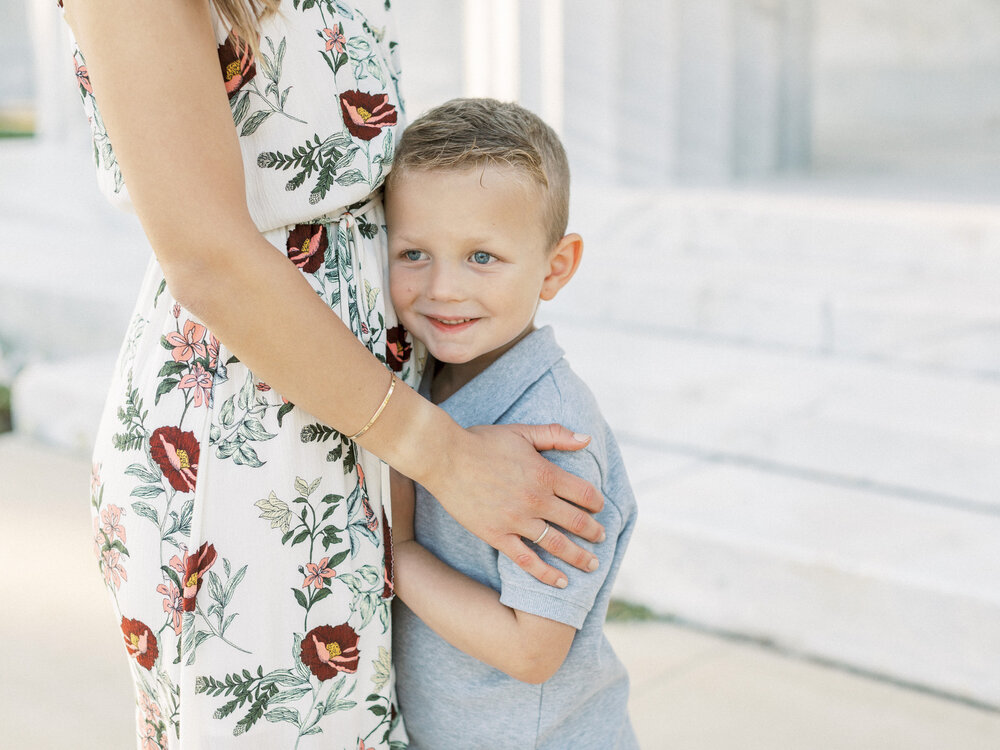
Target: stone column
(59,116)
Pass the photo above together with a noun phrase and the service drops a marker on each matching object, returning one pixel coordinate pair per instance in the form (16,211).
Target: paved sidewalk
(65,681)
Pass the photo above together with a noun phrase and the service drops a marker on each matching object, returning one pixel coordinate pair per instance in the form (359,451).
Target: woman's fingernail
(593,565)
(603,537)
(580,437)
(562,583)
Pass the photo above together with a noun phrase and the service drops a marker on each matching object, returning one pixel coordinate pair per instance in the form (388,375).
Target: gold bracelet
(379,410)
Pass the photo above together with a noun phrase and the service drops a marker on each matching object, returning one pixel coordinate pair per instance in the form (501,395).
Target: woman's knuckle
(578,523)
(557,544)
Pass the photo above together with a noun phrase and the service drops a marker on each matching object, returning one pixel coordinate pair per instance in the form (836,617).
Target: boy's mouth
(451,324)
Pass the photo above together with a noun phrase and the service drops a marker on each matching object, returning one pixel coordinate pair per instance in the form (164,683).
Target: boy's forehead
(487,173)
(499,182)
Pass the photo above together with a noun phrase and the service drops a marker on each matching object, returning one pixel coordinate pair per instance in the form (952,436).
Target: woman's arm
(466,613)
(155,73)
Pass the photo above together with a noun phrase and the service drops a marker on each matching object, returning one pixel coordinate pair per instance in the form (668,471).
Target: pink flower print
(177,564)
(82,77)
(111,523)
(176,310)
(173,604)
(213,352)
(113,570)
(199,380)
(148,737)
(317,573)
(95,479)
(189,344)
(335,38)
(149,708)
(98,538)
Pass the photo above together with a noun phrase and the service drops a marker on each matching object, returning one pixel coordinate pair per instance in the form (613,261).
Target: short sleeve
(571,605)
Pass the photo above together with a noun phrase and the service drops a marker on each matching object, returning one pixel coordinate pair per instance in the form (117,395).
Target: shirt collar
(485,398)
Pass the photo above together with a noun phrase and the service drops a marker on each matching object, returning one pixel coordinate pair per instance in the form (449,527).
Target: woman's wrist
(414,436)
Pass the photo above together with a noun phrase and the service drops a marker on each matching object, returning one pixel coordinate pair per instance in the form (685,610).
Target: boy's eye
(481,257)
(412,254)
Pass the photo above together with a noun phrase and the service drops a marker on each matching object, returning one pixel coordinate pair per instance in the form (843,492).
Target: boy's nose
(445,284)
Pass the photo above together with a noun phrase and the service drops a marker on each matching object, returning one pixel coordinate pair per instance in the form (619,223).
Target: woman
(242,533)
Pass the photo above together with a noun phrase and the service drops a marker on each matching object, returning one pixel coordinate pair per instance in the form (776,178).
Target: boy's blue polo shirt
(450,699)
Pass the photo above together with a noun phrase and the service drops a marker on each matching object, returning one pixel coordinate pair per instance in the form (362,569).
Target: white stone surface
(70,264)
(890,585)
(709,695)
(60,403)
(911,432)
(913,281)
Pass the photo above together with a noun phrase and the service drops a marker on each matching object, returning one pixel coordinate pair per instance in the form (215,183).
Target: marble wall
(682,90)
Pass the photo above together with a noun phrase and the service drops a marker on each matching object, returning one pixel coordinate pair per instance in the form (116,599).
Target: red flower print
(176,453)
(172,604)
(140,642)
(307,245)
(262,387)
(317,572)
(188,344)
(195,567)
(176,310)
(199,380)
(238,66)
(111,518)
(387,576)
(82,77)
(335,38)
(328,650)
(366,114)
(397,347)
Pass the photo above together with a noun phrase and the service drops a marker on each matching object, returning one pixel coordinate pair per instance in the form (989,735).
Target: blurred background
(789,309)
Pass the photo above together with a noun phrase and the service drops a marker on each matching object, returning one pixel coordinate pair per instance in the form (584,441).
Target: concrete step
(885,585)
(901,430)
(913,281)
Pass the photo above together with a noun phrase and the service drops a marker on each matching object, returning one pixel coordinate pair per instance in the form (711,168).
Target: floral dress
(244,543)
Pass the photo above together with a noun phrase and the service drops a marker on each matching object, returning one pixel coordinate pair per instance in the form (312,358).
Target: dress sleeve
(571,605)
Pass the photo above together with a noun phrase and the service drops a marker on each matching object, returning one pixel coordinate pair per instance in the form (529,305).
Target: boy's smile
(468,262)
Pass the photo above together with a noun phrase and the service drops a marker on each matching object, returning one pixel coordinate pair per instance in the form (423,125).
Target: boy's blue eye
(481,257)
(412,254)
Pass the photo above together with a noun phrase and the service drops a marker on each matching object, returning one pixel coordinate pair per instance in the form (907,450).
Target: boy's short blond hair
(464,133)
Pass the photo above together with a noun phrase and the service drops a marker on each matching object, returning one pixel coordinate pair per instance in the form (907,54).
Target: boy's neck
(449,378)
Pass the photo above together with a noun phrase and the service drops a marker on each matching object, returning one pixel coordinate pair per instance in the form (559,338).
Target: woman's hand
(499,488)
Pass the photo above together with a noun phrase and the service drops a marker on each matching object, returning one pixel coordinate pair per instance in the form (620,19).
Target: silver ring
(542,535)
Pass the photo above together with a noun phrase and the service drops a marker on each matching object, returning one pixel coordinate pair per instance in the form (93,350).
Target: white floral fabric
(245,545)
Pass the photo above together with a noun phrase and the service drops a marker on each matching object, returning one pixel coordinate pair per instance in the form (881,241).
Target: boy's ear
(564,259)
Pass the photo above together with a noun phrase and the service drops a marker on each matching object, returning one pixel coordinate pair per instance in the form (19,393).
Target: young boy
(486,657)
